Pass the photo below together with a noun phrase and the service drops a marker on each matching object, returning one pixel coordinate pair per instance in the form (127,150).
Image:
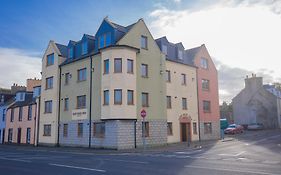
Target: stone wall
(215,131)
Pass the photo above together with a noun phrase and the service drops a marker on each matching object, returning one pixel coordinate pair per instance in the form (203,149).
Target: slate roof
(190,54)
(28,100)
(273,90)
(62,49)
(90,36)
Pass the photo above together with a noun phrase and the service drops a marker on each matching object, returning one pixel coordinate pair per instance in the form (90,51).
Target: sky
(242,36)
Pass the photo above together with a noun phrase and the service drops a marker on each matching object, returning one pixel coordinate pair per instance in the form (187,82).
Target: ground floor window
(145,127)
(80,130)
(65,130)
(208,128)
(170,128)
(99,129)
(47,130)
(10,135)
(28,135)
(194,128)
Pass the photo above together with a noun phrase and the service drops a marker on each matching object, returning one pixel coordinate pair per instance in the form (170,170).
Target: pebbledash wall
(120,125)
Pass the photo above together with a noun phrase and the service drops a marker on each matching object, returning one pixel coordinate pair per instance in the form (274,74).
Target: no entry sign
(143,113)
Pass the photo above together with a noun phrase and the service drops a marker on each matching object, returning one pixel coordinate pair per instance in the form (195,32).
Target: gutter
(198,107)
(35,122)
(38,119)
(58,139)
(90,110)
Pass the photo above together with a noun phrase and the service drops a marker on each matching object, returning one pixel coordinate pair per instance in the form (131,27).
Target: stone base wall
(215,135)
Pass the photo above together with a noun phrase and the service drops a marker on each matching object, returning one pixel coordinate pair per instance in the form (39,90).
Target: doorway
(185,132)
(19,135)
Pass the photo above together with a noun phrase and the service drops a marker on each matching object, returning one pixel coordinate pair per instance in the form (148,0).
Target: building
(6,99)
(22,116)
(207,85)
(258,103)
(95,88)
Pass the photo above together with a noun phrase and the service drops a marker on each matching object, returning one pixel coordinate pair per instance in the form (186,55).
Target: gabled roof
(62,49)
(191,53)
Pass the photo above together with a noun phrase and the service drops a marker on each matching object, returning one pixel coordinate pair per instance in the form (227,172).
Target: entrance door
(3,136)
(185,132)
(19,135)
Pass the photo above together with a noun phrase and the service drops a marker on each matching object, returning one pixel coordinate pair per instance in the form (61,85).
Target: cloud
(18,65)
(244,39)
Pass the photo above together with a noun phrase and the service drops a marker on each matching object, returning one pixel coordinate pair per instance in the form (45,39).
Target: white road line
(128,161)
(231,170)
(76,167)
(233,155)
(18,160)
(239,154)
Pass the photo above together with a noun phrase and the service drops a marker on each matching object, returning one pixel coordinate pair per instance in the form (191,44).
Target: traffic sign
(143,113)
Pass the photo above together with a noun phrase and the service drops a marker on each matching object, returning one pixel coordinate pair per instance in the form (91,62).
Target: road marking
(18,160)
(230,170)
(239,154)
(128,161)
(76,167)
(233,155)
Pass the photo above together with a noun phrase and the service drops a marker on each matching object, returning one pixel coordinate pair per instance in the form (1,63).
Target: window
(84,47)
(205,84)
(169,102)
(66,104)
(20,113)
(208,128)
(183,79)
(144,70)
(29,117)
(4,115)
(130,97)
(194,128)
(99,129)
(49,83)
(50,59)
(130,66)
(47,130)
(10,135)
(180,54)
(184,103)
(145,128)
(165,49)
(143,42)
(144,99)
(70,52)
(67,78)
(48,106)
(117,96)
(118,65)
(22,94)
(82,74)
(101,41)
(168,76)
(206,106)
(28,135)
(106,66)
(170,128)
(65,130)
(12,115)
(81,102)
(107,39)
(80,130)
(204,63)
(104,40)
(106,97)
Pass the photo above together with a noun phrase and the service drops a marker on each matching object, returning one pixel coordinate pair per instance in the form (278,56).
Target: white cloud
(242,36)
(17,65)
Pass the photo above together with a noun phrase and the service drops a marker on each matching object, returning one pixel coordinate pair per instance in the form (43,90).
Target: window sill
(47,135)
(117,103)
(117,72)
(47,112)
(207,111)
(145,106)
(79,81)
(81,108)
(105,104)
(130,104)
(144,76)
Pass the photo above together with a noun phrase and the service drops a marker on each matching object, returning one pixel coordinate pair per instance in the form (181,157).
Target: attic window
(50,59)
(180,54)
(70,52)
(104,40)
(143,42)
(84,47)
(165,49)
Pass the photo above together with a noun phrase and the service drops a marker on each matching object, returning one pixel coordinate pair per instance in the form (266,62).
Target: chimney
(253,83)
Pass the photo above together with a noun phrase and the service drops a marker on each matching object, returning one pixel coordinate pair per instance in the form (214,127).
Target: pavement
(250,153)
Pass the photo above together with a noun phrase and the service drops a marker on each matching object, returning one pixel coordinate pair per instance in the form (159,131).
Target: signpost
(143,115)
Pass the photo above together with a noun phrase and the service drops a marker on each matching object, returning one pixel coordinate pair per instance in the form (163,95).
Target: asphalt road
(251,153)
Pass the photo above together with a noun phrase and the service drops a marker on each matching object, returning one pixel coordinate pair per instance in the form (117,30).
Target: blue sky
(242,36)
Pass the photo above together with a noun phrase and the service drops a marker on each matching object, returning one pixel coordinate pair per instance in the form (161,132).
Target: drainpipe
(198,106)
(35,122)
(58,140)
(135,133)
(90,110)
(38,119)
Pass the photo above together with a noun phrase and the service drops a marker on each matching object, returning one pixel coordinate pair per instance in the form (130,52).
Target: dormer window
(104,40)
(70,52)
(84,47)
(20,96)
(165,49)
(180,54)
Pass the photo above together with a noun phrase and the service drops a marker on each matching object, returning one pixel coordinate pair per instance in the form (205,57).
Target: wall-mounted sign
(79,114)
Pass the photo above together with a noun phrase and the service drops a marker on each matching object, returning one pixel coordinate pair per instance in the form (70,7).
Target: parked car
(255,126)
(234,129)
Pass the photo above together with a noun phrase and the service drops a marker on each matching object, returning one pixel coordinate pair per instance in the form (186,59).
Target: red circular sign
(143,113)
